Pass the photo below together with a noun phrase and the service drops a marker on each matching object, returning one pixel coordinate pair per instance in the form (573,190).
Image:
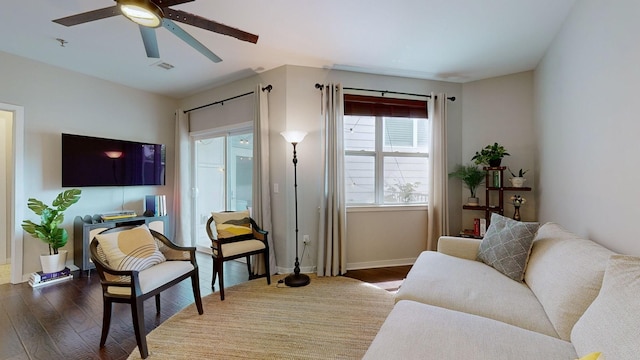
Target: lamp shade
(293,136)
(141,12)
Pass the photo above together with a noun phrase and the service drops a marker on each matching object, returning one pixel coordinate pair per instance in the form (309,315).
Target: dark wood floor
(64,321)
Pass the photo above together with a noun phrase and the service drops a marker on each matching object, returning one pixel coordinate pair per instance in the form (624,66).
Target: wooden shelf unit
(85,229)
(494,187)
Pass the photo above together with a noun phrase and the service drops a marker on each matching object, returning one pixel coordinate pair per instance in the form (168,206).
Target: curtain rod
(266,88)
(320,87)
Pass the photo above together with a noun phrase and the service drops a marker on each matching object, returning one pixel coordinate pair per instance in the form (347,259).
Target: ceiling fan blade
(179,32)
(166,3)
(150,41)
(198,21)
(88,16)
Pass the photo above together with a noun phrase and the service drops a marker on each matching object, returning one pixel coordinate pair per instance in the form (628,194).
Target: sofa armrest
(465,248)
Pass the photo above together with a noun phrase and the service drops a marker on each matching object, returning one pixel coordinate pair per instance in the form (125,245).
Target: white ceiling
(451,40)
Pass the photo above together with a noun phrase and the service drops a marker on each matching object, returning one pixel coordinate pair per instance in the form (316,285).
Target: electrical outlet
(305,239)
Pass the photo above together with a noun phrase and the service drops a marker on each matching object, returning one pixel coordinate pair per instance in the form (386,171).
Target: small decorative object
(472,177)
(517,201)
(490,155)
(518,181)
(48,230)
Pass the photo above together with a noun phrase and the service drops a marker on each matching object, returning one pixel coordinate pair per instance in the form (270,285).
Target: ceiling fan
(151,14)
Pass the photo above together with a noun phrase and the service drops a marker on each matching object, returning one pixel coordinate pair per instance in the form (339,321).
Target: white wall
(500,110)
(57,100)
(294,104)
(586,90)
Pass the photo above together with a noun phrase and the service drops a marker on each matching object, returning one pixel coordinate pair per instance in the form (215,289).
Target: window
(386,151)
(223,164)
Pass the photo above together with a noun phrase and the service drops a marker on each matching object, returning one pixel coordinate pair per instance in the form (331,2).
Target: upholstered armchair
(235,235)
(135,263)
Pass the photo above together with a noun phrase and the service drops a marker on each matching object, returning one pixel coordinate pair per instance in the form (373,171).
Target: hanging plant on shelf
(490,155)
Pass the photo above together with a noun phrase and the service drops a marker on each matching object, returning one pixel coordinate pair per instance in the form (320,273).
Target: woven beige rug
(331,318)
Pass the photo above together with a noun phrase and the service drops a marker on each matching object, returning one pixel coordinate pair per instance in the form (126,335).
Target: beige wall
(294,104)
(586,96)
(57,100)
(501,110)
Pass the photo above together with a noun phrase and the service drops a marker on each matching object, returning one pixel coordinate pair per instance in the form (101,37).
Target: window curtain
(181,212)
(332,247)
(261,198)
(438,209)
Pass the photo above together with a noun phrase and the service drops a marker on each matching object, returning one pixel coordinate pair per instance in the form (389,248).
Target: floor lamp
(296,279)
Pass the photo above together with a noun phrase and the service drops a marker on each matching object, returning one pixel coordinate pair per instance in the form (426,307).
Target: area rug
(331,318)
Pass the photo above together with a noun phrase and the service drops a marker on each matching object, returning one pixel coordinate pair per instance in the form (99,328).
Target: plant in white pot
(472,177)
(48,231)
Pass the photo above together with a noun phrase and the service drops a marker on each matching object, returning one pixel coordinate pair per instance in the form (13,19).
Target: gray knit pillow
(507,244)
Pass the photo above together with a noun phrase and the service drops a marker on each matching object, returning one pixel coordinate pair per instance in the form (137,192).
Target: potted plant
(48,231)
(490,155)
(472,177)
(518,181)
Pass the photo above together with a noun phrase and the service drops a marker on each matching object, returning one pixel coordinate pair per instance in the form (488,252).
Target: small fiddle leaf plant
(50,218)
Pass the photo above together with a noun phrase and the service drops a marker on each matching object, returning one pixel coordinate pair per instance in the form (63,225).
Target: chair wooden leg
(266,267)
(220,266)
(158,304)
(137,313)
(106,320)
(195,283)
(213,276)
(251,277)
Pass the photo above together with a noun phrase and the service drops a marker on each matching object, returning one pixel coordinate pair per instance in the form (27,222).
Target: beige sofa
(452,306)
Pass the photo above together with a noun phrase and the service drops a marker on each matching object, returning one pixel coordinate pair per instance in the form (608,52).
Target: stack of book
(118,215)
(39,278)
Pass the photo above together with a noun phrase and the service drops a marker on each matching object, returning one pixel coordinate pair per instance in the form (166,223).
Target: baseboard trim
(380,264)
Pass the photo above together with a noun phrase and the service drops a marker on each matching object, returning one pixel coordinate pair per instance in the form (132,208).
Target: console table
(85,229)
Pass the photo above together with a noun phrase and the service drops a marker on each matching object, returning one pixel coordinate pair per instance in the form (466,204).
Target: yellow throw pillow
(133,249)
(231,224)
(593,356)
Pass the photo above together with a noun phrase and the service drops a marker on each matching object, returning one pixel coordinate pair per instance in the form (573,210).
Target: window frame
(357,105)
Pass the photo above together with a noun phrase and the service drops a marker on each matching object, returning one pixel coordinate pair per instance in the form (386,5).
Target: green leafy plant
(490,155)
(520,173)
(470,175)
(50,218)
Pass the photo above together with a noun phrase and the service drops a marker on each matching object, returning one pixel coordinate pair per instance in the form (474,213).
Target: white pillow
(133,249)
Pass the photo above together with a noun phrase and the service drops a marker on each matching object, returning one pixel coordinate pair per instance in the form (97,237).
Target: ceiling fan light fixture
(142,12)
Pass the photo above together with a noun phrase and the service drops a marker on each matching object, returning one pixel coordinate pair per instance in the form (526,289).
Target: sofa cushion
(419,331)
(133,249)
(612,323)
(565,273)
(473,287)
(506,245)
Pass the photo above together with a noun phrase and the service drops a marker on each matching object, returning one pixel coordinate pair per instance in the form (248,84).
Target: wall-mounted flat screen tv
(93,161)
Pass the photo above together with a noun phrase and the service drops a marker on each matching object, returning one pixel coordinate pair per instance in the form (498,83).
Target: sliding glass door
(223,173)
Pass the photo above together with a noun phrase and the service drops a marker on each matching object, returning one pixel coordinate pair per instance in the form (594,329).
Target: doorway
(11,189)
(223,173)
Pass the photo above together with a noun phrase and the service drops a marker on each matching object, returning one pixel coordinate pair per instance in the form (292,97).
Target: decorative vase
(473,201)
(517,181)
(53,263)
(516,213)
(495,163)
